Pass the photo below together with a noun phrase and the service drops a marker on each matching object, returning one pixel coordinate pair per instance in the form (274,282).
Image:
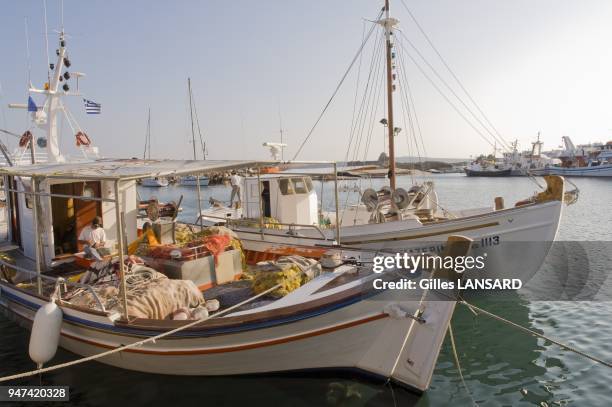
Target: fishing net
(291,272)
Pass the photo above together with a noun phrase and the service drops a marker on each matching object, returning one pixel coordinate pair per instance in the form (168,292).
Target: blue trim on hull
(575,171)
(196,334)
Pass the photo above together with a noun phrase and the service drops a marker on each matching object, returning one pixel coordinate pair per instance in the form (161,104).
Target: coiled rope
(136,344)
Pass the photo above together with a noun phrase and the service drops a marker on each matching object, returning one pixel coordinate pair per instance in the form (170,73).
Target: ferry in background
(512,163)
(593,160)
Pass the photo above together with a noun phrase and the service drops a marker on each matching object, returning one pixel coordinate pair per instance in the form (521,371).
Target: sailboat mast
(148,138)
(191,116)
(388,25)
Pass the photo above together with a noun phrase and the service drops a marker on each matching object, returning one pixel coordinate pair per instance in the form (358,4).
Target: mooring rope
(534,333)
(138,343)
(456,357)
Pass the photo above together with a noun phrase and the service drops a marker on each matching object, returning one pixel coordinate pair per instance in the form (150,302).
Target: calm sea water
(501,366)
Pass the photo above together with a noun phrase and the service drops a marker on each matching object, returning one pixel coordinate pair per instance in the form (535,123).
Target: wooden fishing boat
(516,239)
(575,162)
(155,182)
(494,172)
(337,320)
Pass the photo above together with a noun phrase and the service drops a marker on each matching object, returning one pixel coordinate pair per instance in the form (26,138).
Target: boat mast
(388,24)
(148,138)
(53,103)
(197,178)
(191,116)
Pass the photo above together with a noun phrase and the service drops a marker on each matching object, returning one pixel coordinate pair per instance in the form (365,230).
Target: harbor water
(500,365)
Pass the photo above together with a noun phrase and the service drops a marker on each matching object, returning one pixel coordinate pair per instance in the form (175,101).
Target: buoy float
(45,335)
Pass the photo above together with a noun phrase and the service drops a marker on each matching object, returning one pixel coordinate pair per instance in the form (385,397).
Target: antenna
(2,112)
(62,13)
(47,42)
(280,121)
(28,58)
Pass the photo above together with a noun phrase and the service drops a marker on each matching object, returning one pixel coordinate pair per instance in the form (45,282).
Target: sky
(532,66)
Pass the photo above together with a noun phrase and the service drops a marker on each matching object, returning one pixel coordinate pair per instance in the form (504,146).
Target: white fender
(45,335)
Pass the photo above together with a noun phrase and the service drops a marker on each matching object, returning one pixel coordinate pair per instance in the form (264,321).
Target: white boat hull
(154,182)
(515,240)
(604,170)
(192,181)
(362,335)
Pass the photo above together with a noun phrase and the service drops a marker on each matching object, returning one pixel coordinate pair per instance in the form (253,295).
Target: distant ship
(594,160)
(512,163)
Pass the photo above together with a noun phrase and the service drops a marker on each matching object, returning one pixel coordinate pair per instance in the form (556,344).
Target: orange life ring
(82,139)
(25,139)
(269,170)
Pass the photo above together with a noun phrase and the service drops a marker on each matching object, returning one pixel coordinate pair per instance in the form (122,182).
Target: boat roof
(129,169)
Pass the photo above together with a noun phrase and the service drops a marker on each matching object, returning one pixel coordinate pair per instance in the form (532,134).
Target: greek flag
(92,107)
(31,105)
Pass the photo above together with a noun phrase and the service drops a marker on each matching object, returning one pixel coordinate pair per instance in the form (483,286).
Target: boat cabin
(65,207)
(70,196)
(286,198)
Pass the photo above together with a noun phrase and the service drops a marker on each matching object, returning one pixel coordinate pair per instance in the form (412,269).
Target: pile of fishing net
(9,273)
(185,234)
(268,223)
(291,272)
(150,294)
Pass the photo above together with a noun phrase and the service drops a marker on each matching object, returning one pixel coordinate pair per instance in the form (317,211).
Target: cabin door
(14,205)
(265,199)
(71,215)
(86,211)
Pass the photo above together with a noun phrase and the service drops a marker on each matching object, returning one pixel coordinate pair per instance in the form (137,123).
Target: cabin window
(300,186)
(308,184)
(286,187)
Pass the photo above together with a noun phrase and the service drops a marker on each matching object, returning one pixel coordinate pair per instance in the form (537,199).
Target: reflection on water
(501,366)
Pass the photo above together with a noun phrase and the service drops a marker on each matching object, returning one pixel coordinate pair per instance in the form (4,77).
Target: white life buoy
(45,335)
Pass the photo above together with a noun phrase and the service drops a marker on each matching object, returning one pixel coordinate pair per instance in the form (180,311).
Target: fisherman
(235,181)
(93,238)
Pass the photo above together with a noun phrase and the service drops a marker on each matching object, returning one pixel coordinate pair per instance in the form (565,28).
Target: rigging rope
(408,109)
(446,65)
(337,89)
(358,129)
(365,102)
(497,139)
(373,112)
(456,357)
(446,97)
(356,93)
(534,333)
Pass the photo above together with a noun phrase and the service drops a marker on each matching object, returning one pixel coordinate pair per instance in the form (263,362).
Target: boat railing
(291,227)
(24,159)
(58,281)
